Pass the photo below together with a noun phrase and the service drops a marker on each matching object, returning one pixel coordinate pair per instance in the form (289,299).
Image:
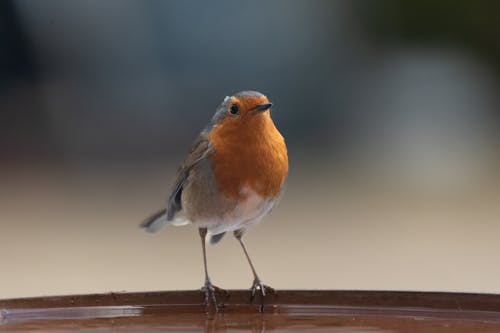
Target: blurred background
(390,110)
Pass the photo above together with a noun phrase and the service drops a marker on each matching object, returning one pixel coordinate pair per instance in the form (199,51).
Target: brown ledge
(285,310)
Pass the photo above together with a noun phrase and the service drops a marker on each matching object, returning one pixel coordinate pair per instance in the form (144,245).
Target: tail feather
(214,239)
(155,221)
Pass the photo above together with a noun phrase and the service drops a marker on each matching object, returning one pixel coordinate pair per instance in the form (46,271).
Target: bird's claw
(210,291)
(261,287)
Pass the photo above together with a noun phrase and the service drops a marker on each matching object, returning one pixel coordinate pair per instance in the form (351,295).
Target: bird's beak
(263,106)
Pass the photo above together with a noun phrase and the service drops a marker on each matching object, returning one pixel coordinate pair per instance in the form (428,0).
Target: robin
(231,178)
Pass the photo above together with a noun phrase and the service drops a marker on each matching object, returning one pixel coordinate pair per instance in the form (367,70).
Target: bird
(230,180)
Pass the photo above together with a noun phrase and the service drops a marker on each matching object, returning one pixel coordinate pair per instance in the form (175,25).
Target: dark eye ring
(234,109)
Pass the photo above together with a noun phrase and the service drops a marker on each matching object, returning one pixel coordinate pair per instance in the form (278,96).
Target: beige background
(75,230)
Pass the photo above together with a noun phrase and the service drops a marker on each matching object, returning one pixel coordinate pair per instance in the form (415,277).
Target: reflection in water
(84,312)
(189,318)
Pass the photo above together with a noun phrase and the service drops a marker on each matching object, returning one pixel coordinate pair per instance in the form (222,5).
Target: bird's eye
(233,109)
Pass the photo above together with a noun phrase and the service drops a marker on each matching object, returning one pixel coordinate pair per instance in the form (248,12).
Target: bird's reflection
(220,322)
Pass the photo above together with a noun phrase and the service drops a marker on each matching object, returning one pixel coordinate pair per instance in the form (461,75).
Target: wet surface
(288,311)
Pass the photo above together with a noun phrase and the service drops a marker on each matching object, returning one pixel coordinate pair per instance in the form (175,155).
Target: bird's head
(243,108)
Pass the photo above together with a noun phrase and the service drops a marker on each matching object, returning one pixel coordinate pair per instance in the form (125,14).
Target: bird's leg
(257,283)
(209,288)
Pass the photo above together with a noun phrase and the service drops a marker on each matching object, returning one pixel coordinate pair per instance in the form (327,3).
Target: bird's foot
(261,287)
(263,290)
(210,291)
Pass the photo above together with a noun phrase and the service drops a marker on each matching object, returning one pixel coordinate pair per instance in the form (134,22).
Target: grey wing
(201,148)
(174,204)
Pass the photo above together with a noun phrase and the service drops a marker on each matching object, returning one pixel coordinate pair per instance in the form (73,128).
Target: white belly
(245,214)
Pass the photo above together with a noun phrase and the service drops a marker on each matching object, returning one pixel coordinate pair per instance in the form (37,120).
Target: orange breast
(249,153)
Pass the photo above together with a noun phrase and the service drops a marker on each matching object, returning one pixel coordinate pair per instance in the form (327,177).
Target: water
(321,311)
(281,319)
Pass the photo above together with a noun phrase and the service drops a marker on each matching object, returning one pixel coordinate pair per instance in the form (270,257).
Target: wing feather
(200,149)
